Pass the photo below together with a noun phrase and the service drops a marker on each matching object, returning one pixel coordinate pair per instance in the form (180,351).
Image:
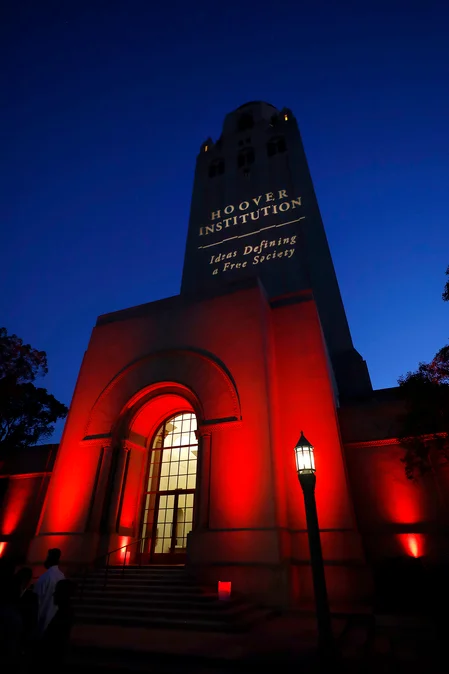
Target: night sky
(105,105)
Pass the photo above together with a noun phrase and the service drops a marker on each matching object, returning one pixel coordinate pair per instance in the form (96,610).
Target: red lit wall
(20,512)
(396,516)
(233,330)
(255,374)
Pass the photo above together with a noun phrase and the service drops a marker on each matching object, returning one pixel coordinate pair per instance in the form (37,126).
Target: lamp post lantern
(305,467)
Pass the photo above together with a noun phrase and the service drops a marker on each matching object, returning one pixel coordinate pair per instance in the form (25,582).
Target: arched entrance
(169,496)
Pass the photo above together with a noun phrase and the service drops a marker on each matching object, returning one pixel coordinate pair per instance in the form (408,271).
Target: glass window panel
(184,454)
(177,457)
(180,535)
(150,475)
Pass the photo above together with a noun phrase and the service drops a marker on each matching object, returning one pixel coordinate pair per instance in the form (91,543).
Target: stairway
(159,597)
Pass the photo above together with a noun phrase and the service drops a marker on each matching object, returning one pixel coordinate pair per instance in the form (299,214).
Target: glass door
(170,495)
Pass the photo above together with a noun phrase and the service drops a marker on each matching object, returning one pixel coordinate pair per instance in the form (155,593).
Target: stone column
(99,491)
(118,488)
(202,496)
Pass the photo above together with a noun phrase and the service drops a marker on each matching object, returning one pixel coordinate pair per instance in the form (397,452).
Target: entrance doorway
(170,491)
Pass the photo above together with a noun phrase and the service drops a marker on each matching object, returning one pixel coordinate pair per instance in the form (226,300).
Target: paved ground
(395,645)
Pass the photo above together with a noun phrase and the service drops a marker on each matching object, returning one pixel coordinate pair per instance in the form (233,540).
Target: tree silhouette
(27,412)
(446,288)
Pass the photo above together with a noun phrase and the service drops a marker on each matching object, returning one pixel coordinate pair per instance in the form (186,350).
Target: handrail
(107,556)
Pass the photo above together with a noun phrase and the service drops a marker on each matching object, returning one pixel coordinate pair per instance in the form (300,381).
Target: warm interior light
(205,148)
(305,459)
(413,545)
(286,117)
(224,589)
(124,553)
(2,547)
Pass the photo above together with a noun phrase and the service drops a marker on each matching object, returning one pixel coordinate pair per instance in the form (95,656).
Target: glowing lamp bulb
(305,459)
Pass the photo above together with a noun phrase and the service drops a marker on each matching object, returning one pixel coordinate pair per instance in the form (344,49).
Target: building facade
(180,435)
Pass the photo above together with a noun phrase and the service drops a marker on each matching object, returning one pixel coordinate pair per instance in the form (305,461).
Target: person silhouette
(28,605)
(53,646)
(45,588)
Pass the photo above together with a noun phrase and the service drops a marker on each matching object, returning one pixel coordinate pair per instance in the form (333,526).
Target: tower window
(245,157)
(216,168)
(246,121)
(276,146)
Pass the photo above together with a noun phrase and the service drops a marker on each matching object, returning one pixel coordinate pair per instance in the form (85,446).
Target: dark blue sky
(105,105)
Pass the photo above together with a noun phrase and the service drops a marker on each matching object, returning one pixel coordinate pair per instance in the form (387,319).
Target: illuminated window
(245,157)
(276,146)
(206,147)
(286,117)
(245,121)
(169,499)
(216,168)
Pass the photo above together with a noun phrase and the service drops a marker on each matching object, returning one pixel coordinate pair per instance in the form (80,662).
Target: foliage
(27,412)
(425,423)
(446,288)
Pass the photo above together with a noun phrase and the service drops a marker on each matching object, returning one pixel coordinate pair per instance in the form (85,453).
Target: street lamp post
(305,467)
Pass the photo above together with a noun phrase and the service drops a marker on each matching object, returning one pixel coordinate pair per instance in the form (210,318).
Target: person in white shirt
(45,587)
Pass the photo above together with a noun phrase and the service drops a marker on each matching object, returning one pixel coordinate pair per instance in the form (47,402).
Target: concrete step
(137,580)
(155,620)
(107,600)
(148,608)
(125,595)
(157,597)
(141,572)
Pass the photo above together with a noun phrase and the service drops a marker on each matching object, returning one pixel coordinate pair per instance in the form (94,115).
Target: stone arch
(150,407)
(198,372)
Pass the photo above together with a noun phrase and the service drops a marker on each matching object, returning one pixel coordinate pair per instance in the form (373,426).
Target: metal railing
(107,557)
